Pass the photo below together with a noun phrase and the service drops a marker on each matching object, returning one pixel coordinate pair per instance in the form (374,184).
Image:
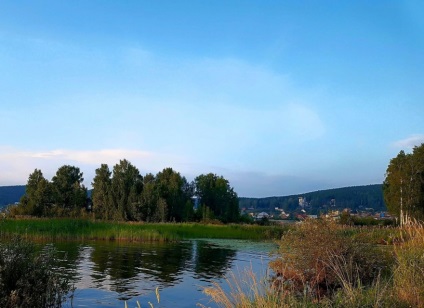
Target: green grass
(80,229)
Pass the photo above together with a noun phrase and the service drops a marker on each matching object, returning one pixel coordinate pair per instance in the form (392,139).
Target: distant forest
(354,198)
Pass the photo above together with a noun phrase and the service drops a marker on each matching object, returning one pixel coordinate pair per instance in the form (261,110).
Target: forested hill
(11,194)
(355,198)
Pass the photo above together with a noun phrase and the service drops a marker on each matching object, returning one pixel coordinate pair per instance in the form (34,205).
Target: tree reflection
(122,266)
(212,260)
(132,269)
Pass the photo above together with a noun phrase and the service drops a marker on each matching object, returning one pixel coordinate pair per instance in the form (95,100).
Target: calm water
(107,274)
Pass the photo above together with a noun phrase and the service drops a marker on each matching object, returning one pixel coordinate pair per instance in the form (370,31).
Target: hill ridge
(353,197)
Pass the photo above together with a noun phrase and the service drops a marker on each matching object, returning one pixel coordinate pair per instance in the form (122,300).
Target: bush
(28,279)
(317,259)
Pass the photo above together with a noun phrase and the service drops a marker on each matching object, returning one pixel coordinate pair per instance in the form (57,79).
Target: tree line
(403,186)
(123,194)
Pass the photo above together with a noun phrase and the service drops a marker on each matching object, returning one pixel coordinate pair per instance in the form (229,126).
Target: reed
(80,229)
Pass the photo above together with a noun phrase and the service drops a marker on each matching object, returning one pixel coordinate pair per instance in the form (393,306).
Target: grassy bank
(79,229)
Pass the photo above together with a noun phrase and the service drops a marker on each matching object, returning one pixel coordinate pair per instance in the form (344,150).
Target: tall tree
(127,185)
(149,199)
(173,190)
(37,194)
(216,193)
(68,190)
(101,195)
(403,187)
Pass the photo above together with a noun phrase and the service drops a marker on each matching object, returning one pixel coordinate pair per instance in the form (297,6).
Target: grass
(322,264)
(408,275)
(80,229)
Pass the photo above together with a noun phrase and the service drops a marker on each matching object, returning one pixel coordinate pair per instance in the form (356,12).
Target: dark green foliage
(64,196)
(128,196)
(101,194)
(28,279)
(356,197)
(150,200)
(68,192)
(174,190)
(126,187)
(124,195)
(216,193)
(38,194)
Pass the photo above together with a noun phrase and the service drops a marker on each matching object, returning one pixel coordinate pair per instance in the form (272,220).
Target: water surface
(106,274)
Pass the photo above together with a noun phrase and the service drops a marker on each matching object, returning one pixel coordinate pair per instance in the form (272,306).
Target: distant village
(303,211)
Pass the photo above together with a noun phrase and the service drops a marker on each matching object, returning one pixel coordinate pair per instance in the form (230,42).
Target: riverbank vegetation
(320,264)
(28,278)
(84,229)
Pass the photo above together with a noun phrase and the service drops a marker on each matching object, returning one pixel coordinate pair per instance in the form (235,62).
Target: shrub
(317,259)
(28,279)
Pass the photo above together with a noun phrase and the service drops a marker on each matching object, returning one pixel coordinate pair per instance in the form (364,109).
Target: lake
(106,274)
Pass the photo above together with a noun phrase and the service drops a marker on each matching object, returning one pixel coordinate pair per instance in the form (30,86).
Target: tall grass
(246,290)
(79,229)
(408,275)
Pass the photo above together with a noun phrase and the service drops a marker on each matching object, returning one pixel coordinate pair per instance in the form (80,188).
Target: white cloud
(16,165)
(410,142)
(107,156)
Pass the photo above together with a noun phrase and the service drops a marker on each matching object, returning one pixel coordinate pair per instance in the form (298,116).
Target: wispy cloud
(16,164)
(108,156)
(409,142)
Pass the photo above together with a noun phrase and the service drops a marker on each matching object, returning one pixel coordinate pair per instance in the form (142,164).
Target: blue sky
(279,97)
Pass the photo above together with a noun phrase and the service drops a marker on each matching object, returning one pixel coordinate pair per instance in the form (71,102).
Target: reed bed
(80,229)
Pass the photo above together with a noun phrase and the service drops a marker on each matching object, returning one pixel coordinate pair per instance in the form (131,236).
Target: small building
(262,215)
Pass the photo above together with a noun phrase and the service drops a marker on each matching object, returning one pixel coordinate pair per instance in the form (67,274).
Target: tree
(403,187)
(149,199)
(68,190)
(37,194)
(173,189)
(216,194)
(101,195)
(127,185)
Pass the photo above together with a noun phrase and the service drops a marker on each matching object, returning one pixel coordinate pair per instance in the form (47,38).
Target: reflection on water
(106,273)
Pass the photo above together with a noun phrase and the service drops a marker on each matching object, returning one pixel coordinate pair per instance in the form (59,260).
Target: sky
(279,97)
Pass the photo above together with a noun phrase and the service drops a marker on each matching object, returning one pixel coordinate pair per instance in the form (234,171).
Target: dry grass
(408,275)
(246,291)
